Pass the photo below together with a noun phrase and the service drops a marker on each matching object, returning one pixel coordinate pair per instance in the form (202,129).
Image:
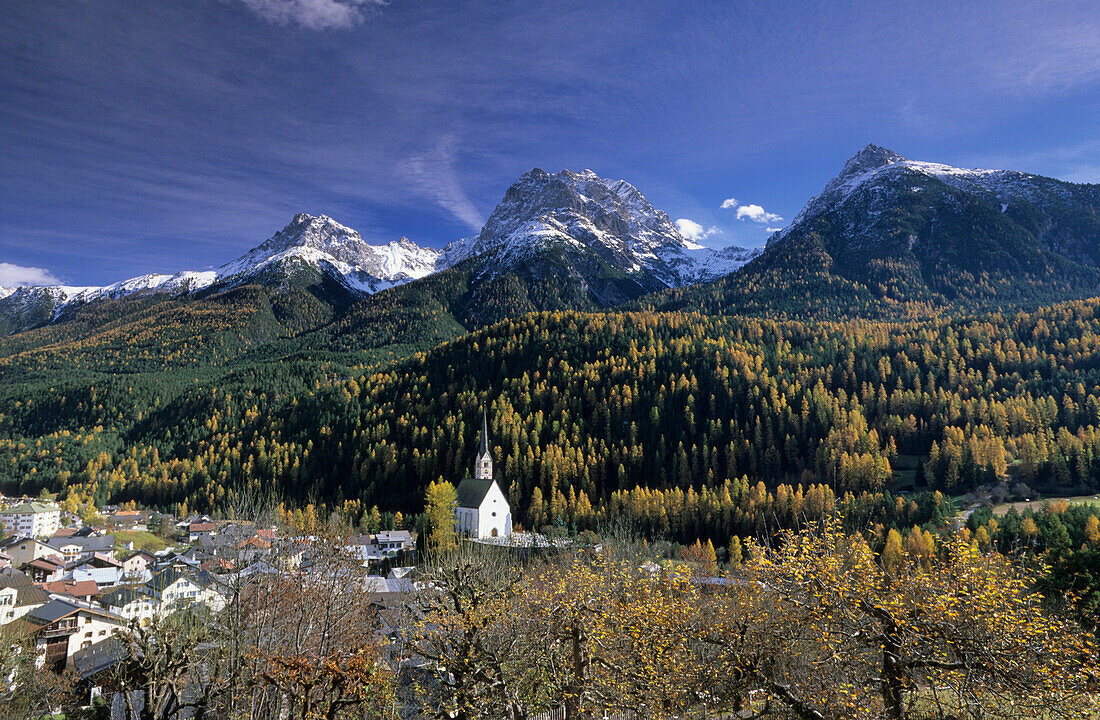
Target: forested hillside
(586,408)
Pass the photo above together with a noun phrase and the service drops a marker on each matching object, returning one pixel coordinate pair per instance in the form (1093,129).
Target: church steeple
(483,466)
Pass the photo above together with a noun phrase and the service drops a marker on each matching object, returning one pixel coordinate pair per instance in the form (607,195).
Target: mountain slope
(892,236)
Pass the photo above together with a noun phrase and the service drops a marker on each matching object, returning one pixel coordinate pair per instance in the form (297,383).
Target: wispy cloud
(694,231)
(1059,53)
(433,173)
(313,14)
(20,276)
(729,203)
(773,229)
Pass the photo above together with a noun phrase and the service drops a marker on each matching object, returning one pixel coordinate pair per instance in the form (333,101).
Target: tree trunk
(575,688)
(893,685)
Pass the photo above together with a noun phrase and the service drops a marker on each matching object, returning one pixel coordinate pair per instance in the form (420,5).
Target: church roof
(472,492)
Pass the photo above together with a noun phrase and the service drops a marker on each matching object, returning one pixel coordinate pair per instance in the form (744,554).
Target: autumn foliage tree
(462,622)
(440,500)
(888,637)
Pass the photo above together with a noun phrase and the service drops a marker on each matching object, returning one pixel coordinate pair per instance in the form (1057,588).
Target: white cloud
(19,276)
(433,172)
(756,214)
(771,229)
(694,231)
(312,14)
(752,212)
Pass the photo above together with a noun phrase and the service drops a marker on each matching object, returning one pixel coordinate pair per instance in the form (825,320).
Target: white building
(23,550)
(73,549)
(18,596)
(391,542)
(130,603)
(173,590)
(61,627)
(482,510)
(31,519)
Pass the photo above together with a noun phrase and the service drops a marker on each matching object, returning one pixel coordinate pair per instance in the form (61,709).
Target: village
(68,589)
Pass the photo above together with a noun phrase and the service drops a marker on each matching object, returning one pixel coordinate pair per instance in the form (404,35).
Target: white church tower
(482,510)
(483,466)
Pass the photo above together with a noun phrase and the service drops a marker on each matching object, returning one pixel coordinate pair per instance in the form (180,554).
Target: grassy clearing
(142,539)
(1038,504)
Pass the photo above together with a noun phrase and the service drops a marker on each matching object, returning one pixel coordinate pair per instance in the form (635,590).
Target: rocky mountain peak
(583,215)
(870,157)
(321,242)
(318,231)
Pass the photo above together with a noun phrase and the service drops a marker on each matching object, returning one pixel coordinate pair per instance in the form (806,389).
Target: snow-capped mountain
(324,244)
(580,212)
(917,229)
(574,235)
(314,243)
(876,177)
(868,177)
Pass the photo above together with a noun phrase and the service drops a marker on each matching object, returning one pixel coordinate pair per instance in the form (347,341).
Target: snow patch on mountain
(179,283)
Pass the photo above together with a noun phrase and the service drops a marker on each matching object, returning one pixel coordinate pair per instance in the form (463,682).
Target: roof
(58,608)
(101,656)
(202,527)
(217,564)
(30,508)
(26,592)
(255,541)
(394,536)
(86,544)
(120,596)
(375,585)
(166,577)
(472,492)
(134,553)
(52,611)
(132,513)
(47,563)
(17,539)
(79,588)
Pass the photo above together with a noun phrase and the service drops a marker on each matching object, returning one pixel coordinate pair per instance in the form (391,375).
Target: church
(482,510)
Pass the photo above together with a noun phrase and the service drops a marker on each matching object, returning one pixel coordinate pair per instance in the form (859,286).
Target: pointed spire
(483,466)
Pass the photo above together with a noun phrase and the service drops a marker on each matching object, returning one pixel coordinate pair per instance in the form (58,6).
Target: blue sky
(159,135)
